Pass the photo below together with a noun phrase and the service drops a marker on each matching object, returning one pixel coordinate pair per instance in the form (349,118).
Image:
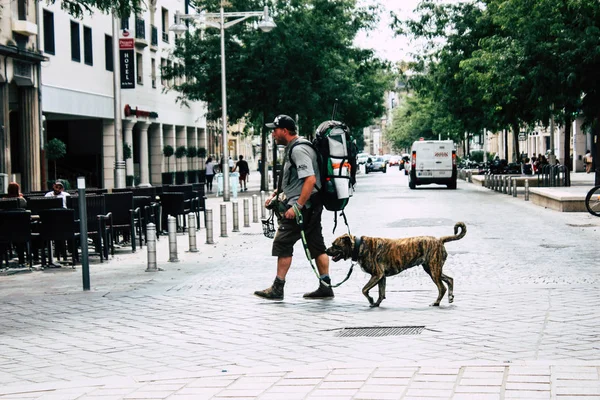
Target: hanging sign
(126,46)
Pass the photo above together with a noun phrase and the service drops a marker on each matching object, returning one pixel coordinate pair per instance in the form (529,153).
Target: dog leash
(300,222)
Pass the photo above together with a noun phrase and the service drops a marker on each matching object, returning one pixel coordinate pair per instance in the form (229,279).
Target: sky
(382,39)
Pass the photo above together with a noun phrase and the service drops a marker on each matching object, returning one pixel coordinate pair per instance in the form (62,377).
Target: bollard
(470,176)
(485,180)
(223,220)
(254,209)
(505,185)
(172,228)
(526,189)
(510,184)
(208,222)
(151,245)
(246,213)
(236,217)
(263,210)
(514,187)
(192,233)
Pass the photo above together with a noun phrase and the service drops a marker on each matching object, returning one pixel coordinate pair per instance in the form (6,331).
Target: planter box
(167,178)
(180,177)
(192,177)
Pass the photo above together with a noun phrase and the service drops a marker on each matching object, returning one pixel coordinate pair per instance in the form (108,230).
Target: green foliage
(299,68)
(78,8)
(168,151)
(180,152)
(192,152)
(201,152)
(55,149)
(127,152)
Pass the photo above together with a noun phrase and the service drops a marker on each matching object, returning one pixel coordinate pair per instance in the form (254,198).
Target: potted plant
(192,174)
(202,171)
(55,150)
(129,180)
(180,175)
(167,177)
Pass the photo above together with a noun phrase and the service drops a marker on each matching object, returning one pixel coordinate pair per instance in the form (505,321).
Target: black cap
(283,121)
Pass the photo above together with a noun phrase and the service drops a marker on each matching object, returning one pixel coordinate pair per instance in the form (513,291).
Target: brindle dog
(386,257)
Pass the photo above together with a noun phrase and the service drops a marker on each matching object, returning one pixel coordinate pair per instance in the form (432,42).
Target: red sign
(126,44)
(125,32)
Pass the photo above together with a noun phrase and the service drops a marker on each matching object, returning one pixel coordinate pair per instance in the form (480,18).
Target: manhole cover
(380,331)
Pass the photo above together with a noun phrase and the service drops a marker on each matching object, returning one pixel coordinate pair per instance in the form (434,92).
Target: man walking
(298,194)
(587,159)
(242,165)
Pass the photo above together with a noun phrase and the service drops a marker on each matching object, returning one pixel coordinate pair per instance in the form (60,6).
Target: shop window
(140,68)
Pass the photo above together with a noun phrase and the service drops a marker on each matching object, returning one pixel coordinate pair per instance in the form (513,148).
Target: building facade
(21,141)
(80,98)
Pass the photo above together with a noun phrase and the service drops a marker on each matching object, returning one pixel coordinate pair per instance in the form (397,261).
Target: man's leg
(324,291)
(275,292)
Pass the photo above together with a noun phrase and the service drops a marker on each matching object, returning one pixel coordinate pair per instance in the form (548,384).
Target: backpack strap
(289,154)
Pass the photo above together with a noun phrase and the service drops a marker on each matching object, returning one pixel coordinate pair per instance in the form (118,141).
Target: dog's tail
(463,232)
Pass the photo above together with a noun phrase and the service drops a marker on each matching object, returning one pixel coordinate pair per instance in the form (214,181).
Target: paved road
(523,324)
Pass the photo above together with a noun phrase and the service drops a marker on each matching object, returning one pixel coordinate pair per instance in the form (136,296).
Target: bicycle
(592,201)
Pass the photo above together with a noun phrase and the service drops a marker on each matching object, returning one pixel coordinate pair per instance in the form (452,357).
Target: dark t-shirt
(242,166)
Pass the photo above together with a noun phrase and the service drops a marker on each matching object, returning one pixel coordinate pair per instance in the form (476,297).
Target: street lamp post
(217,20)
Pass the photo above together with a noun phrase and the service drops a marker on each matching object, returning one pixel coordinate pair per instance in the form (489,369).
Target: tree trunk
(264,178)
(516,152)
(567,149)
(505,133)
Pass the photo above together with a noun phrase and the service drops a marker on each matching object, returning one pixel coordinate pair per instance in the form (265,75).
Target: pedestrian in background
(244,169)
(587,159)
(231,165)
(210,173)
(299,187)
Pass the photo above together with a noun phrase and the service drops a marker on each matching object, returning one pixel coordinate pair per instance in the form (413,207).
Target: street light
(217,20)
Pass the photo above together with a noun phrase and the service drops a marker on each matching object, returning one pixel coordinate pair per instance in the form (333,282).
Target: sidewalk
(523,325)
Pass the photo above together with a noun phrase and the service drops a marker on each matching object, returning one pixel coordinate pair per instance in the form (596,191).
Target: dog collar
(357,243)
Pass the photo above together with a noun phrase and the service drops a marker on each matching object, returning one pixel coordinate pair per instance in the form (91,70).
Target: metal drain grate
(377,331)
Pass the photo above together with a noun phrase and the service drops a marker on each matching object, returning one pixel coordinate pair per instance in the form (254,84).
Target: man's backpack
(336,156)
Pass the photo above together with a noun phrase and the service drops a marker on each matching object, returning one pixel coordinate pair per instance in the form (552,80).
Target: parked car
(361,158)
(376,164)
(394,160)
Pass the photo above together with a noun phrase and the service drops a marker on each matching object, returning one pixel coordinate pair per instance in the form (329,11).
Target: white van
(433,161)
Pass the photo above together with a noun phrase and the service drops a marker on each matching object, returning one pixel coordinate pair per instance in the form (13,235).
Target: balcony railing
(154,38)
(140,28)
(165,37)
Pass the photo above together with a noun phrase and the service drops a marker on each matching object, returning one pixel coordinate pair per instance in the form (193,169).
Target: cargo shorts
(288,233)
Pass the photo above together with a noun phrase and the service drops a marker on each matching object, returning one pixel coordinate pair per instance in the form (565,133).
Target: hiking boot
(275,292)
(323,292)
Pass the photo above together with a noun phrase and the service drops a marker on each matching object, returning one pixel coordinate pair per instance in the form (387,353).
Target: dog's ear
(348,240)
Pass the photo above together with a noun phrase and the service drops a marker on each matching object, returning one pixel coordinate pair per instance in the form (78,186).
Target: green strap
(300,222)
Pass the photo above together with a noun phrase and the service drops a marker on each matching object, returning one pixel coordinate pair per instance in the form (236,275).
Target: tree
(192,152)
(55,150)
(168,151)
(299,68)
(77,8)
(202,156)
(180,153)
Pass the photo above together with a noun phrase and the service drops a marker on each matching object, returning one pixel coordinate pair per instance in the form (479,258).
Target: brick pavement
(522,325)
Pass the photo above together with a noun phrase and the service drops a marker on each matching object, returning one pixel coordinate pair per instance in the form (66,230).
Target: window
(170,81)
(125,23)
(140,68)
(75,42)
(153,66)
(49,32)
(108,52)
(88,53)
(22,10)
(165,25)
(163,64)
